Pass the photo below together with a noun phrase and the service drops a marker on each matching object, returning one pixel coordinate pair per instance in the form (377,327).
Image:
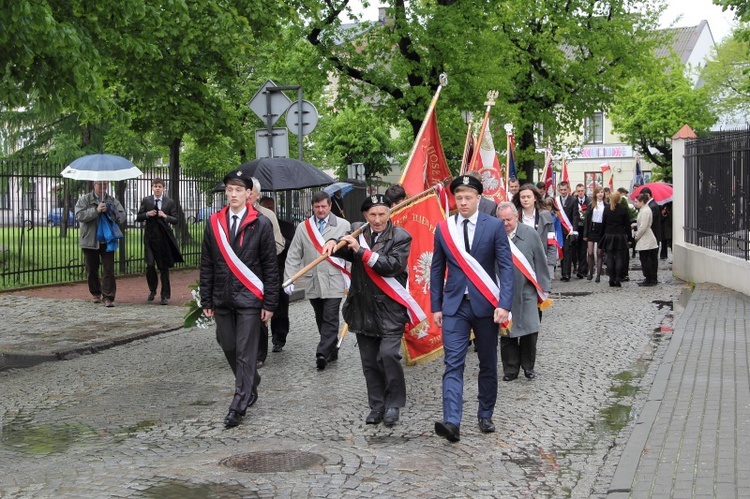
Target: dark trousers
(152,279)
(581,254)
(327,319)
(107,287)
(517,353)
(237,332)
(568,251)
(665,243)
(616,264)
(456,331)
(280,320)
(384,374)
(649,264)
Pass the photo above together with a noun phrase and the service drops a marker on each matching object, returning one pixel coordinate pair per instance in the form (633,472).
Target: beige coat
(644,236)
(278,238)
(325,280)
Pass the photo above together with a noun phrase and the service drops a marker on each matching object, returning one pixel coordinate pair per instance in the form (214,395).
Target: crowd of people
(492,267)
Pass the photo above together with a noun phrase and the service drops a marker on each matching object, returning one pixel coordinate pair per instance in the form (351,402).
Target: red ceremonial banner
(428,166)
(425,341)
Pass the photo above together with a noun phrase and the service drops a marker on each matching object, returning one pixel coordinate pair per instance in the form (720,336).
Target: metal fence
(717,180)
(39,243)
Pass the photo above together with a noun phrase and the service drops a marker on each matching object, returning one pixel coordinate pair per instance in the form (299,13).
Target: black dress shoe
(277,348)
(510,377)
(253,397)
(375,417)
(530,374)
(580,276)
(150,297)
(448,431)
(333,356)
(565,279)
(390,417)
(486,425)
(165,301)
(321,362)
(589,277)
(233,419)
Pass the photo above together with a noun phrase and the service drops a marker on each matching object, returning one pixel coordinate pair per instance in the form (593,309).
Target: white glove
(575,233)
(289,289)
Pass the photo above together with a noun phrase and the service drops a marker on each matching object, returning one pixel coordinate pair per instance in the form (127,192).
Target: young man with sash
(378,305)
(326,282)
(567,207)
(239,285)
(530,288)
(476,295)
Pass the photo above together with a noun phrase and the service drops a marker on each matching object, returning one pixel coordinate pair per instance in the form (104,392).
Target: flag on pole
(423,342)
(427,166)
(564,173)
(638,175)
(607,169)
(512,173)
(488,167)
(549,174)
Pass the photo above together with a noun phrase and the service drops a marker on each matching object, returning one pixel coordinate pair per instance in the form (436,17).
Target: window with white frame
(593,129)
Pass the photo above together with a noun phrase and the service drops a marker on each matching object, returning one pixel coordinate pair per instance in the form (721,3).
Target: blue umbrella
(344,187)
(101,167)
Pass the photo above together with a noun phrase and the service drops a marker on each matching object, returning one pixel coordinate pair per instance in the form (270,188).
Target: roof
(685,40)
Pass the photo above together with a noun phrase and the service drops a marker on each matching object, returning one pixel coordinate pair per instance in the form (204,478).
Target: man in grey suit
(518,348)
(161,249)
(326,282)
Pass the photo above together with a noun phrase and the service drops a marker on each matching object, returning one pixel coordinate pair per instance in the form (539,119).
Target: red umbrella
(660,191)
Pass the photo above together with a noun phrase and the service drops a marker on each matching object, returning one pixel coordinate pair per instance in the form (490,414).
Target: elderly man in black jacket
(381,251)
(239,284)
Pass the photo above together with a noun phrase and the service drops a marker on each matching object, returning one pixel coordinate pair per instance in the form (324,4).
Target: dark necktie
(233,230)
(374,238)
(157,204)
(466,235)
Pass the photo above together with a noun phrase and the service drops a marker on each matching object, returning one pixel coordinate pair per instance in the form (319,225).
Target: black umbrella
(283,174)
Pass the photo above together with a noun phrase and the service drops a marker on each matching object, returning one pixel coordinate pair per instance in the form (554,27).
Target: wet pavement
(145,419)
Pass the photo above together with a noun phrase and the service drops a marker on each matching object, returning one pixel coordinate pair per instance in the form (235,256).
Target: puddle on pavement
(177,489)
(44,439)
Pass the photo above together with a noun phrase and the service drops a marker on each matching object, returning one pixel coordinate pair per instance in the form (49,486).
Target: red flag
(427,166)
(564,173)
(488,166)
(425,341)
(607,169)
(549,175)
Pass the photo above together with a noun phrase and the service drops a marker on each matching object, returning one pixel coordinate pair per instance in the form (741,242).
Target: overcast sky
(692,11)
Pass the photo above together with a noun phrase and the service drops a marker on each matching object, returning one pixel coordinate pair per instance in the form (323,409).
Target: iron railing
(717,197)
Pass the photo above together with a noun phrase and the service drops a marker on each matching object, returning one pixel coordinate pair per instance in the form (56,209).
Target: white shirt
(240,216)
(598,213)
(472,225)
(530,221)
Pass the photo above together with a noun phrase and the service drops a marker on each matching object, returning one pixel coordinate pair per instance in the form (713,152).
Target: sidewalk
(692,438)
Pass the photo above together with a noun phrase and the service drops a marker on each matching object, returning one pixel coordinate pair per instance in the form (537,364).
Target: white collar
(241,214)
(473,218)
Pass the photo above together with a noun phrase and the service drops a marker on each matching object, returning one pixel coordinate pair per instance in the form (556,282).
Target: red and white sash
(317,240)
(523,265)
(237,266)
(563,216)
(391,287)
(471,267)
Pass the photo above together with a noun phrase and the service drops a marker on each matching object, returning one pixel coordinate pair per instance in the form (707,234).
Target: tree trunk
(181,229)
(527,143)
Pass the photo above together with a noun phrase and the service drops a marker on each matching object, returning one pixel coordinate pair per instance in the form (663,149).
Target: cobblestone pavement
(145,419)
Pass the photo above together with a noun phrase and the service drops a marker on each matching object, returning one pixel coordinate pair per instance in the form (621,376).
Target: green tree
(651,108)
(553,62)
(725,77)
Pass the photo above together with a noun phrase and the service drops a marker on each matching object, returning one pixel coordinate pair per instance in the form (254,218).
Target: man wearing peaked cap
(466,181)
(375,200)
(238,174)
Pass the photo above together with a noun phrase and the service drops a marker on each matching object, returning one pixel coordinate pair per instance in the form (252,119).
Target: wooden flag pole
(443,83)
(464,159)
(356,233)
(508,134)
(491,96)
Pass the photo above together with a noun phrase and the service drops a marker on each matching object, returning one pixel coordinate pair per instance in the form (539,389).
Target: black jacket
(255,246)
(367,309)
(655,219)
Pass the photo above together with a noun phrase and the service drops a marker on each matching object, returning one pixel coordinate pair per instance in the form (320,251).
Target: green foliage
(356,135)
(651,108)
(726,78)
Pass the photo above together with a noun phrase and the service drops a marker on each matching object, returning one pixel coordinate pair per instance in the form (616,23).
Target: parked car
(55,218)
(206,212)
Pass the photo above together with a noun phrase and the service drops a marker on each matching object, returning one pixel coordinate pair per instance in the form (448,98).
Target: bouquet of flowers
(194,315)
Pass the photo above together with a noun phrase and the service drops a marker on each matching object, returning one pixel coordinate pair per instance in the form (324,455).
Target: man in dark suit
(161,249)
(474,249)
(580,248)
(569,206)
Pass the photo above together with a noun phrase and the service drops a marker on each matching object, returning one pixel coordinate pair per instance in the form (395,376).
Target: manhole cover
(273,461)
